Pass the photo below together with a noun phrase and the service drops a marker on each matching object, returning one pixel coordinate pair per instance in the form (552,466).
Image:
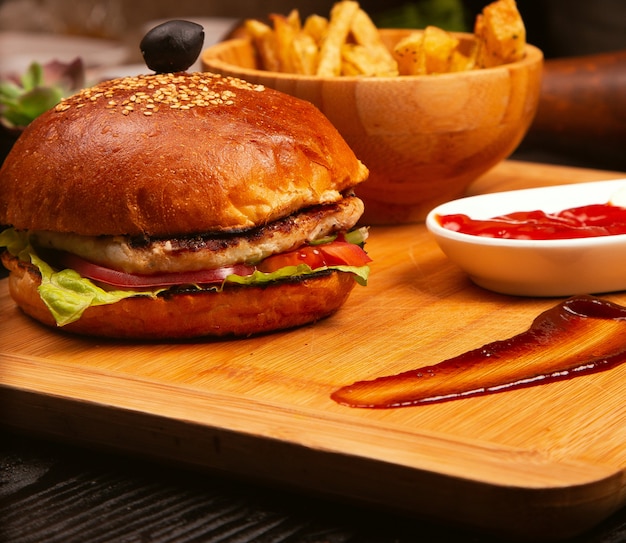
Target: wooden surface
(544,462)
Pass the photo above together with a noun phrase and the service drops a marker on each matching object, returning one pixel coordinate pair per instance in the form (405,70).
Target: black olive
(172,46)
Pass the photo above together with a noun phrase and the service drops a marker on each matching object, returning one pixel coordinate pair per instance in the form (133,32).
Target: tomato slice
(307,254)
(343,253)
(122,279)
(336,253)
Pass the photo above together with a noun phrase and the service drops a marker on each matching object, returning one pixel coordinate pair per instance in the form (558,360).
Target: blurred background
(559,27)
(106,34)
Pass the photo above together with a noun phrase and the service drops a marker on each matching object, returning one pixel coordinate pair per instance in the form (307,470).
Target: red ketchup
(577,222)
(581,335)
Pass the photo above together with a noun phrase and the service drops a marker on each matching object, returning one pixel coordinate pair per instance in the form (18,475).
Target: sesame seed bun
(172,154)
(137,168)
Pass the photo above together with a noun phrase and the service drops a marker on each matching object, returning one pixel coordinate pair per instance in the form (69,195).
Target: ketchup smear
(577,222)
(580,336)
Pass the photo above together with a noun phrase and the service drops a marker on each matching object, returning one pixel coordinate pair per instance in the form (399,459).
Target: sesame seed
(145,93)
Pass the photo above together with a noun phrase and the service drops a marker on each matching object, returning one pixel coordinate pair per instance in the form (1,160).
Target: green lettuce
(67,294)
(360,273)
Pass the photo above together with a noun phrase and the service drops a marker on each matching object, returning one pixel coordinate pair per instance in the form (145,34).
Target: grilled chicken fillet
(146,256)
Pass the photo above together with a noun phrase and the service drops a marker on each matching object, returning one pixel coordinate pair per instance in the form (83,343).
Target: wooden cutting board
(539,463)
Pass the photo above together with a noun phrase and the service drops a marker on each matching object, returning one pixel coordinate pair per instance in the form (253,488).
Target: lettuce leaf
(360,273)
(15,242)
(67,294)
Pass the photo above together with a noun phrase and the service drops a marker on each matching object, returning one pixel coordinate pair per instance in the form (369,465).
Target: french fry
(438,47)
(294,20)
(407,52)
(356,60)
(305,54)
(350,60)
(341,16)
(462,62)
(432,51)
(285,30)
(366,34)
(500,33)
(316,27)
(264,41)
(348,43)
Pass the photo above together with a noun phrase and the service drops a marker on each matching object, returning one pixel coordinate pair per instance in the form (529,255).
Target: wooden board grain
(539,463)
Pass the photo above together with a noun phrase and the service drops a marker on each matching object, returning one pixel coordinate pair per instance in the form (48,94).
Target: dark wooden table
(54,492)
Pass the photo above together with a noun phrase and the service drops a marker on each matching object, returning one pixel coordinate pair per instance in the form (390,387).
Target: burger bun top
(173,154)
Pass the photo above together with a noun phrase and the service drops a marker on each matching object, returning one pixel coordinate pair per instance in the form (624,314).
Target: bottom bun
(235,311)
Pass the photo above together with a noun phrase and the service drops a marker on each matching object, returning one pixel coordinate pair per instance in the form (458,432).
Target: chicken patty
(200,252)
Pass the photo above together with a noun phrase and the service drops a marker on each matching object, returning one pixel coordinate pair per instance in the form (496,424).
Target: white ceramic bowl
(536,267)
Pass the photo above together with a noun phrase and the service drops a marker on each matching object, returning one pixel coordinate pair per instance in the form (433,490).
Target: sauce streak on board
(581,335)
(578,222)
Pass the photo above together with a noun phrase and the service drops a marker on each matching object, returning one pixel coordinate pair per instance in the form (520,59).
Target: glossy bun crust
(173,154)
(236,311)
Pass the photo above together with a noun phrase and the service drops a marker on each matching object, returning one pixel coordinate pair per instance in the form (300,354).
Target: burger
(181,205)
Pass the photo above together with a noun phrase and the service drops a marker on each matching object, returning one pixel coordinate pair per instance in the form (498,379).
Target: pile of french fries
(347,43)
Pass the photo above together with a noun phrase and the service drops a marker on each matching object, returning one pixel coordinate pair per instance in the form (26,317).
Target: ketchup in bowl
(576,222)
(505,248)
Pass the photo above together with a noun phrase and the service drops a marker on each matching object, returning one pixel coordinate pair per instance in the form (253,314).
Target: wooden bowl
(424,138)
